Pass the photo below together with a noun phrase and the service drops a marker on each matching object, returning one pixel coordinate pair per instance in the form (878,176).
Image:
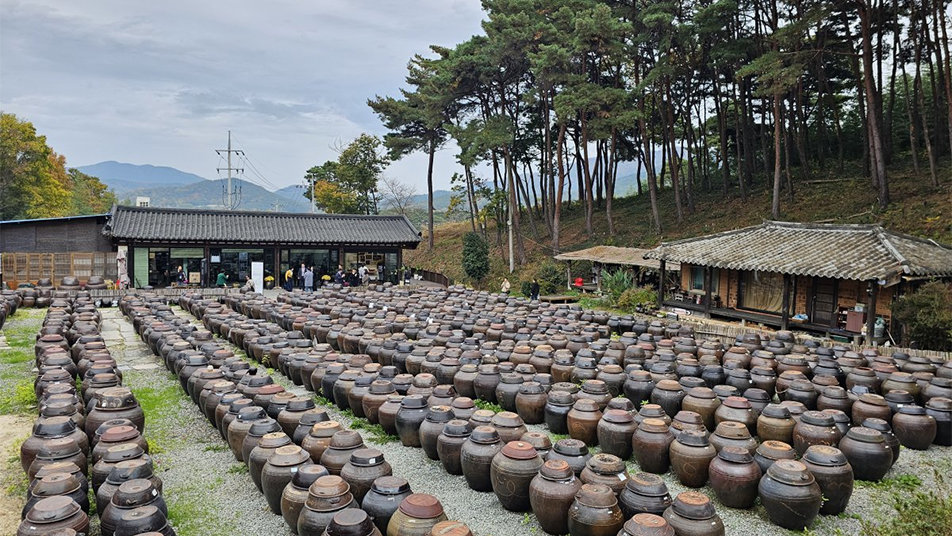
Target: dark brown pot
(295,493)
(530,402)
(770,451)
(644,493)
(704,402)
(691,454)
(914,428)
(511,471)
(341,448)
(416,516)
(509,426)
(815,428)
(889,438)
(790,495)
(365,466)
(775,424)
(277,473)
(614,432)
(260,454)
(477,455)
(668,394)
(383,499)
(450,443)
(692,514)
(732,434)
(551,493)
(326,496)
(606,469)
(737,409)
(411,414)
(319,438)
(940,409)
(572,452)
(582,421)
(650,443)
(647,525)
(431,427)
(376,396)
(53,514)
(595,512)
(833,474)
(734,477)
(557,407)
(870,405)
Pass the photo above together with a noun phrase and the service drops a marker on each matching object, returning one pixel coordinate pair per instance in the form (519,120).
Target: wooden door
(823,302)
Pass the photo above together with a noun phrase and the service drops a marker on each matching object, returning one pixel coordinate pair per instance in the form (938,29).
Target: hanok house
(156,241)
(826,278)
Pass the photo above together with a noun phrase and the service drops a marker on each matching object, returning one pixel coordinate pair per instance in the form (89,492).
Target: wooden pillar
(207,269)
(708,283)
(785,307)
(872,290)
(568,276)
(661,284)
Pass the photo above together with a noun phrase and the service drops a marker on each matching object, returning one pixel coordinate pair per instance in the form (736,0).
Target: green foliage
(926,316)
(917,513)
(475,256)
(238,469)
(897,483)
(551,278)
(634,297)
(482,404)
(349,184)
(525,288)
(34,181)
(615,283)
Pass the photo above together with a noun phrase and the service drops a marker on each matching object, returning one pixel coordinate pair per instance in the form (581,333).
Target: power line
(231,197)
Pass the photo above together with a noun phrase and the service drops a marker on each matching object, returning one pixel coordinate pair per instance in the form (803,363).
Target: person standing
(364,274)
(300,275)
(289,279)
(308,280)
(181,277)
(534,289)
(506,285)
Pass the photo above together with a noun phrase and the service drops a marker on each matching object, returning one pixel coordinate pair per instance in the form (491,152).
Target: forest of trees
(723,96)
(34,179)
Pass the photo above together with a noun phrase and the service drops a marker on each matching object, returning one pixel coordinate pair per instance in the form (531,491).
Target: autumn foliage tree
(34,179)
(348,185)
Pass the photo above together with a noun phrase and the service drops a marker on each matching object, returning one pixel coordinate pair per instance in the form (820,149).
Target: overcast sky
(161,82)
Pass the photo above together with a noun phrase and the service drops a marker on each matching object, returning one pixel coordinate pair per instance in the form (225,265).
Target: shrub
(551,278)
(926,316)
(525,288)
(917,512)
(615,283)
(475,256)
(637,296)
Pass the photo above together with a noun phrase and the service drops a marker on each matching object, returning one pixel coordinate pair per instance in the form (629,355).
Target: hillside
(123,177)
(208,194)
(916,209)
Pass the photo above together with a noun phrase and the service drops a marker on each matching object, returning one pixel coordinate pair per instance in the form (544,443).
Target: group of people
(304,277)
(506,286)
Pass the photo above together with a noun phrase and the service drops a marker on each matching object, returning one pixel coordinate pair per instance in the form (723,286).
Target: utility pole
(231,198)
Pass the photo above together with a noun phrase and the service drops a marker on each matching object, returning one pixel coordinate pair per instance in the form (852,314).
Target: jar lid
(596,496)
(825,455)
(263,426)
(507,419)
(300,403)
(693,438)
(570,447)
(756,394)
(617,416)
(519,450)
(274,439)
(59,467)
(655,425)
(560,398)
(732,430)
(439,414)
(135,492)
(538,440)
(123,451)
(652,411)
(251,413)
(531,388)
(366,457)
(329,486)
(595,386)
(776,411)
(585,404)
(645,524)
(413,402)
(457,428)
(689,417)
(817,418)
(776,450)
(127,470)
(693,505)
(120,434)
(556,470)
(484,435)
(390,485)
(421,506)
(912,409)
(313,416)
(307,474)
(939,403)
(872,398)
(288,456)
(348,522)
(52,509)
(704,393)
(668,385)
(326,429)
(463,402)
(791,472)
(56,484)
(735,455)
(450,528)
(346,439)
(605,464)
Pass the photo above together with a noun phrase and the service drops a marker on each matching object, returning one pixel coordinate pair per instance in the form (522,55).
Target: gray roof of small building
(151,224)
(859,252)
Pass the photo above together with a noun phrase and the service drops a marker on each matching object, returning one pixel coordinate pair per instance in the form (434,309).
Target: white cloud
(161,82)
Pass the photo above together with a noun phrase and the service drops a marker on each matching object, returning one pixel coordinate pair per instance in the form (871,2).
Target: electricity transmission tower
(231,195)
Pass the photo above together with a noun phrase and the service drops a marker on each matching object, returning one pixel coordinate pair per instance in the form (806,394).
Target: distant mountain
(295,192)
(122,177)
(208,194)
(441,199)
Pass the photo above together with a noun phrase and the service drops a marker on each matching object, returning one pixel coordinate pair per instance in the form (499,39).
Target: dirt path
(13,429)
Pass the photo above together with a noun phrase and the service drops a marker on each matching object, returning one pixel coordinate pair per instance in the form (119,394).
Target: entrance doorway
(823,301)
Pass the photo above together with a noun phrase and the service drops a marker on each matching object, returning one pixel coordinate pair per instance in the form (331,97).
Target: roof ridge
(172,210)
(883,237)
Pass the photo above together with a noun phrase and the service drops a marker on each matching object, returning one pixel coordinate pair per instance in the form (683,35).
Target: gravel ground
(209,494)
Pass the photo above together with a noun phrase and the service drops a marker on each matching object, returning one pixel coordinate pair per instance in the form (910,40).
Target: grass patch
(17,395)
(190,513)
(216,447)
(482,404)
(238,469)
(917,513)
(898,483)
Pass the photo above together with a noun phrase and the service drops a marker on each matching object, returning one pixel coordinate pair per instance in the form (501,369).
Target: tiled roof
(860,252)
(612,255)
(193,225)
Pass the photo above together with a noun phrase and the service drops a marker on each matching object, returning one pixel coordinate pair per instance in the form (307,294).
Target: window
(761,291)
(697,278)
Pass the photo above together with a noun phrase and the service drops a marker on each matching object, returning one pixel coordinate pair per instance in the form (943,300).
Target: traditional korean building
(827,278)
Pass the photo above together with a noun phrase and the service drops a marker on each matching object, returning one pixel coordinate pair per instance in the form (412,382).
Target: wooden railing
(434,277)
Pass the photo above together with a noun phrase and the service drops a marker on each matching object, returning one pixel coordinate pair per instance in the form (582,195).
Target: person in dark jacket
(534,289)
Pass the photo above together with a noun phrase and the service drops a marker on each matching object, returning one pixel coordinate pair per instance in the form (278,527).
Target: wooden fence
(30,267)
